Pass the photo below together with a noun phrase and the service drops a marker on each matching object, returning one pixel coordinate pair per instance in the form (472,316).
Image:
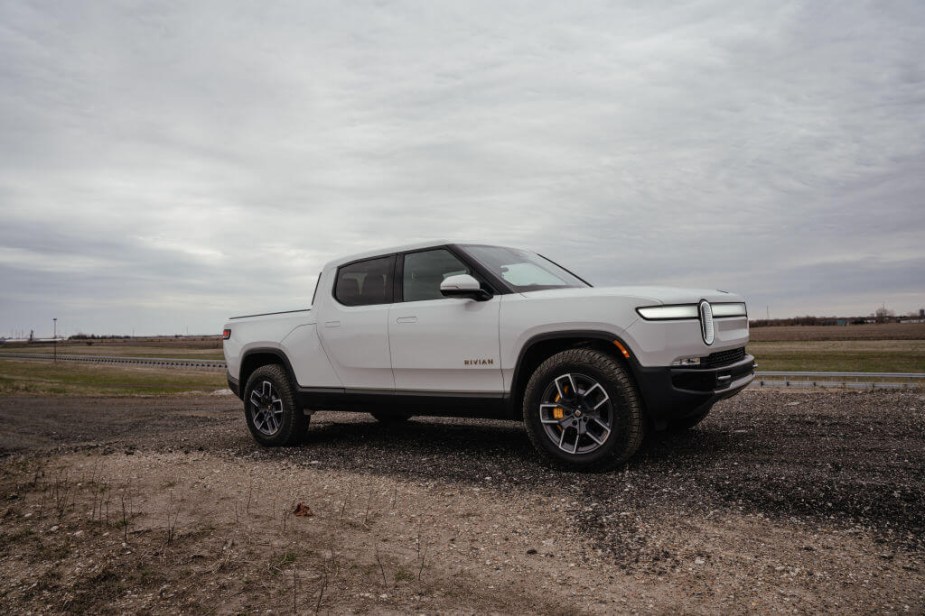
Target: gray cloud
(164,166)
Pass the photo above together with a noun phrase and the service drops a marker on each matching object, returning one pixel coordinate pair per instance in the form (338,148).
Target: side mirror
(464,285)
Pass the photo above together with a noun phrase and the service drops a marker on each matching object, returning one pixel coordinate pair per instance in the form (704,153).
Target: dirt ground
(778,502)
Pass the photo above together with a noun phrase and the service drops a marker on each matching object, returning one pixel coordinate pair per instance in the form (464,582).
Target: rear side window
(365,283)
(424,271)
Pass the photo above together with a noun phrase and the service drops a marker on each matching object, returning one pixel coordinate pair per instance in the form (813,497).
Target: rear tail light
(226,334)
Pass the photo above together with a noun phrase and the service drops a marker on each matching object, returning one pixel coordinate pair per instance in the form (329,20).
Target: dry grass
(46,377)
(804,333)
(205,546)
(841,355)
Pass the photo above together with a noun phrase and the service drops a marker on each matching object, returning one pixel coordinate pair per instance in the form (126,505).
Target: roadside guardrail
(156,362)
(844,380)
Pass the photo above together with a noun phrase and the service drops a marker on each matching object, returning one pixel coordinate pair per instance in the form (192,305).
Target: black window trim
(315,292)
(388,255)
(566,269)
(494,286)
(500,282)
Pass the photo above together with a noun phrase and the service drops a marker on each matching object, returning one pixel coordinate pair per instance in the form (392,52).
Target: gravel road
(779,501)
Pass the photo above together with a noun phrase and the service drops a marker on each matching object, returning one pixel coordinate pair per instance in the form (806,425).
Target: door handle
(332,323)
(406,320)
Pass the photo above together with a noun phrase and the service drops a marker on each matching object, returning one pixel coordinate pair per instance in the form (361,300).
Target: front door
(440,344)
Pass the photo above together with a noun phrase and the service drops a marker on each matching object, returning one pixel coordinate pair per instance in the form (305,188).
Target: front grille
(723,358)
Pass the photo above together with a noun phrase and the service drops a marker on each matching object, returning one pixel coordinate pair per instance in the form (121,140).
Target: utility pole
(55,337)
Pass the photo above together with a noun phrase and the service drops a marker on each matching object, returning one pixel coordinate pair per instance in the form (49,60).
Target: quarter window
(365,283)
(424,271)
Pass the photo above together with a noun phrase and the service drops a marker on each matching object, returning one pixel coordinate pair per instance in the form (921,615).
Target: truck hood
(644,295)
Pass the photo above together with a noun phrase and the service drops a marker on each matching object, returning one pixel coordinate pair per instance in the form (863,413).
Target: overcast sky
(165,165)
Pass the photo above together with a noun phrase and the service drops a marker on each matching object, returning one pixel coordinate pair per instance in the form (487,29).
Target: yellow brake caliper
(558,412)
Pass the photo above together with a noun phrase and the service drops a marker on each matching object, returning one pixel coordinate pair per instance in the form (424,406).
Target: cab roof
(390,250)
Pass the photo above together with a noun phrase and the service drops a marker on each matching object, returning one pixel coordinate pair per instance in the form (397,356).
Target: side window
(424,271)
(365,283)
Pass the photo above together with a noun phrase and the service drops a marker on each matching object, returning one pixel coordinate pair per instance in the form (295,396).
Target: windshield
(522,270)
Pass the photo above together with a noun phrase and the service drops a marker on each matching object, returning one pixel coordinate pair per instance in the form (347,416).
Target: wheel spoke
(604,427)
(600,403)
(563,444)
(577,438)
(587,412)
(594,438)
(559,388)
(549,420)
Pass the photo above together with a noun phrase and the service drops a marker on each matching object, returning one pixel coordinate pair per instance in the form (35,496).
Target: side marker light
(622,348)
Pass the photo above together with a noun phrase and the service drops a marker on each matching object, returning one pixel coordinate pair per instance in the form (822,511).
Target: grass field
(807,333)
(45,377)
(841,356)
(887,347)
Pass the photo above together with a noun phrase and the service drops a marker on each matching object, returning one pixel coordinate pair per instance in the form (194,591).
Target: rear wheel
(582,411)
(270,409)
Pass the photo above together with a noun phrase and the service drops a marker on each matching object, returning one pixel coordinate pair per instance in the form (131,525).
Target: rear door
(354,325)
(440,344)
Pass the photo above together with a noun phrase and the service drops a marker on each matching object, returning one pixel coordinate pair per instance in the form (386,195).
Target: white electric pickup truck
(474,330)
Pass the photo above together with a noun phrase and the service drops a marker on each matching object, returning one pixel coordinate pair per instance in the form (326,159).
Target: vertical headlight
(706,322)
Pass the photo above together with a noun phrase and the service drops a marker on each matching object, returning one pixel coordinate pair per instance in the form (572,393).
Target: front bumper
(674,393)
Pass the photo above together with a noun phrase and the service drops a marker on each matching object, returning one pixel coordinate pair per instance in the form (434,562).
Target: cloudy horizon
(165,166)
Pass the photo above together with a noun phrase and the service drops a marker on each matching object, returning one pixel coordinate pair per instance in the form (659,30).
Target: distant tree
(883,314)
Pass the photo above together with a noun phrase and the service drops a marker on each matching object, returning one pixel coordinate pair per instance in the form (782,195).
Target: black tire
(270,409)
(391,418)
(623,407)
(686,423)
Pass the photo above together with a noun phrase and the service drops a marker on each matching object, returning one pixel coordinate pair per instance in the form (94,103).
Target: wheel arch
(542,346)
(257,357)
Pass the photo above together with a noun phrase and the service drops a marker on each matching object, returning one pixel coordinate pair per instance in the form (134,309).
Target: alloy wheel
(576,413)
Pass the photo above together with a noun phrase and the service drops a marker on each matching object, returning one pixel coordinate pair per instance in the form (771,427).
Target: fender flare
(277,353)
(601,335)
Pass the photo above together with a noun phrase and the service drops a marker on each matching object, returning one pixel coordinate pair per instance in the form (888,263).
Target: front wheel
(582,411)
(270,409)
